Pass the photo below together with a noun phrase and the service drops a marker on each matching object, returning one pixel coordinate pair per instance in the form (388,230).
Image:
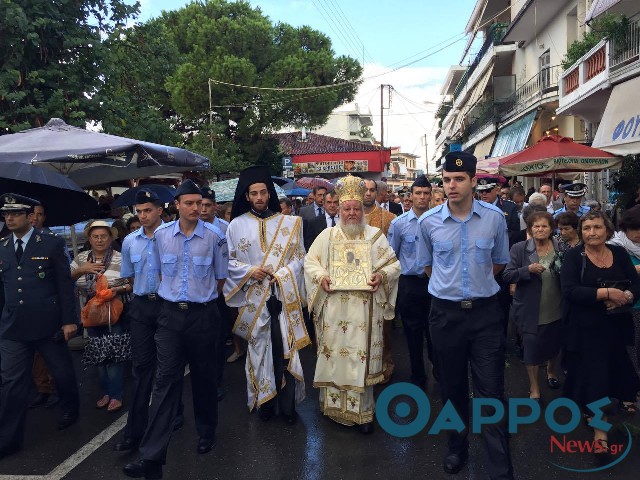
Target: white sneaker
(235,356)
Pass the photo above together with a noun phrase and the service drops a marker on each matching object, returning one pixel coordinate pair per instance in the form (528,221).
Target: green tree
(237,44)
(50,58)
(133,98)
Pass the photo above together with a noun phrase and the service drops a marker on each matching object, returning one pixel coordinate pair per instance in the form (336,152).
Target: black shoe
(40,400)
(291,419)
(454,462)
(366,428)
(221,394)
(53,401)
(143,468)
(9,450)
(553,383)
(178,422)
(127,445)
(205,445)
(265,413)
(67,419)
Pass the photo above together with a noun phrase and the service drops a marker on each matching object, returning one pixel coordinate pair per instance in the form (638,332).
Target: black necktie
(19,250)
(320,211)
(333,220)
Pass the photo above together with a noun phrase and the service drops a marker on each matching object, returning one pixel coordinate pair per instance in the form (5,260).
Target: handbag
(104,309)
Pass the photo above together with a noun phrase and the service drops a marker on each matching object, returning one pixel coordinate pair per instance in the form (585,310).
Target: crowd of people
(456,264)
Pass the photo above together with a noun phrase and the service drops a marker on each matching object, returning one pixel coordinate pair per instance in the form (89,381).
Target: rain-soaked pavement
(315,448)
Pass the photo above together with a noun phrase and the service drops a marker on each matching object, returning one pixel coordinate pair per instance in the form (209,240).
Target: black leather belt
(149,296)
(186,305)
(464,304)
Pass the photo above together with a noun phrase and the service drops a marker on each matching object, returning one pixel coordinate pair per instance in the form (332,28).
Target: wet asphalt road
(315,448)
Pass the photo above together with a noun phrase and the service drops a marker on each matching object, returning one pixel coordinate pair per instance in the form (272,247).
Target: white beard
(353,230)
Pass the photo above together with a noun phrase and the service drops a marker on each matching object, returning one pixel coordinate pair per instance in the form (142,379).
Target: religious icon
(350,265)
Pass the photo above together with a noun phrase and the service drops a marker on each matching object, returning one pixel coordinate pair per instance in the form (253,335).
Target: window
(545,70)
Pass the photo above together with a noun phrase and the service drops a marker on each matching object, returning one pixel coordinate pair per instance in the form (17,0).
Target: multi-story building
(349,123)
(507,97)
(402,169)
(602,87)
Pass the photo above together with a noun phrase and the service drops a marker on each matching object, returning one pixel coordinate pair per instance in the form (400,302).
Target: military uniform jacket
(36,294)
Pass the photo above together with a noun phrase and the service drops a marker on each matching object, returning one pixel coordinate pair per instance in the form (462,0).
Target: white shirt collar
(25,238)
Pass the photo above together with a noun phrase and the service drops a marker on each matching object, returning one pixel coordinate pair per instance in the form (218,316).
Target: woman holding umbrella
(109,345)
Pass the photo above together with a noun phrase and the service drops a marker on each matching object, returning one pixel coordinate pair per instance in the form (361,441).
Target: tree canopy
(83,60)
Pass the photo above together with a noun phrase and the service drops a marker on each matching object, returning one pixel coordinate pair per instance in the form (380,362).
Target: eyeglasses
(12,214)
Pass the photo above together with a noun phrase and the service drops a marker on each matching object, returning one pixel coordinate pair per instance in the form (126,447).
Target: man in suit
(316,208)
(547,191)
(318,224)
(38,314)
(383,199)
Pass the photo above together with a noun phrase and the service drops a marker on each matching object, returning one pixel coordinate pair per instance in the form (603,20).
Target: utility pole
(426,155)
(382,107)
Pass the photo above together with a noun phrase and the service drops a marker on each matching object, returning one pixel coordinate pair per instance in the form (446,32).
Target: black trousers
(183,336)
(143,316)
(286,397)
(17,362)
(472,337)
(413,304)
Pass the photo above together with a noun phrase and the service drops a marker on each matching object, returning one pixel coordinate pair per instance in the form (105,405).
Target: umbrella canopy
(297,192)
(128,197)
(226,190)
(281,181)
(312,182)
(557,154)
(488,166)
(92,158)
(65,202)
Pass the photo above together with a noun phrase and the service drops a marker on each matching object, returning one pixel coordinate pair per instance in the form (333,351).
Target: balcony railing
(543,83)
(592,66)
(494,37)
(628,50)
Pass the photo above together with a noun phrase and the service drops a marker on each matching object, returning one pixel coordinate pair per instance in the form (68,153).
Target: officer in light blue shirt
(141,265)
(413,300)
(193,265)
(574,194)
(462,244)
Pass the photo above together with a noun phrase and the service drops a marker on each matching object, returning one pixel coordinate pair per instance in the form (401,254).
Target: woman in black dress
(599,285)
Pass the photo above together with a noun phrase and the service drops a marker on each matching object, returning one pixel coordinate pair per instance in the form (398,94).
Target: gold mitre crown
(350,188)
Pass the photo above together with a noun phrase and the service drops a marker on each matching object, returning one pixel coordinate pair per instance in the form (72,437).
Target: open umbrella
(489,166)
(226,190)
(282,181)
(64,201)
(557,154)
(128,197)
(312,182)
(93,158)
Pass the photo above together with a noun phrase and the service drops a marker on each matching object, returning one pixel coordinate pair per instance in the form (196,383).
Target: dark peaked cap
(249,176)
(460,162)
(208,193)
(187,187)
(145,196)
(12,202)
(421,181)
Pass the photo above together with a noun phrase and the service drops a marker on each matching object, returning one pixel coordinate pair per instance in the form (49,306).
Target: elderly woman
(537,299)
(599,286)
(629,238)
(108,346)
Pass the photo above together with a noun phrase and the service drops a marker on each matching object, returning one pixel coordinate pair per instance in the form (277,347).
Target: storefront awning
(513,137)
(619,130)
(483,147)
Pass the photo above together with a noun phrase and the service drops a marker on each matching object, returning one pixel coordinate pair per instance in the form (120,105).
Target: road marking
(83,453)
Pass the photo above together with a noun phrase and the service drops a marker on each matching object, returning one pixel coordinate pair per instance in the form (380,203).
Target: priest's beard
(353,230)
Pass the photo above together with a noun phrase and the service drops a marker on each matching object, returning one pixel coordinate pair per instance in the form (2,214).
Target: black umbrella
(128,197)
(93,158)
(281,181)
(65,202)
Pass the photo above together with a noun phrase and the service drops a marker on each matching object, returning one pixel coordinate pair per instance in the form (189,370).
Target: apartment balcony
(586,86)
(542,88)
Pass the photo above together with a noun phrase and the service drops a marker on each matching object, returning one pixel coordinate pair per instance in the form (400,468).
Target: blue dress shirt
(403,238)
(140,260)
(221,224)
(191,266)
(582,209)
(462,253)
(25,239)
